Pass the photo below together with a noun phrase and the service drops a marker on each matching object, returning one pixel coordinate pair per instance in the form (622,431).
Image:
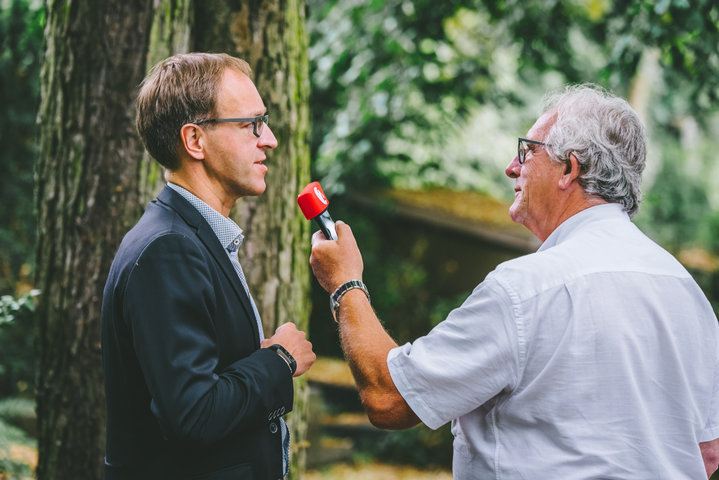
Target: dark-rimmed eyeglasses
(522,148)
(257,122)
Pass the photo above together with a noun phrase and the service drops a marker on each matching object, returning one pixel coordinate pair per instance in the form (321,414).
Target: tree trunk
(270,35)
(169,35)
(92,184)
(87,197)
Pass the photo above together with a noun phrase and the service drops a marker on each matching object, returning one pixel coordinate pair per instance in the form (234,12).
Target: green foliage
(415,94)
(16,345)
(394,268)
(10,307)
(674,209)
(713,232)
(444,306)
(390,82)
(21,37)
(416,273)
(687,35)
(15,412)
(419,446)
(398,86)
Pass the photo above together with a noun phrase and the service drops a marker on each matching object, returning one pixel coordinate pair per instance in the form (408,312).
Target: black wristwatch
(285,355)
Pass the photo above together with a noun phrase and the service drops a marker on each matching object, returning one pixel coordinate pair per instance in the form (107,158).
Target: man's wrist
(340,292)
(285,355)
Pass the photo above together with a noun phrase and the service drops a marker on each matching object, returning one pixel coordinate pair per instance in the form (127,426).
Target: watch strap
(285,355)
(341,290)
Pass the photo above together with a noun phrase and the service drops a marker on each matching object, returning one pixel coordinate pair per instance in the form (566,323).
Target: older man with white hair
(595,357)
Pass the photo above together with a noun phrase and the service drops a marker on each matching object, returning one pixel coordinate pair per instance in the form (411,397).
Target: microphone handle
(326,224)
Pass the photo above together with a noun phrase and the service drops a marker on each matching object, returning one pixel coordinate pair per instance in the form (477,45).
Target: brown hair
(178,90)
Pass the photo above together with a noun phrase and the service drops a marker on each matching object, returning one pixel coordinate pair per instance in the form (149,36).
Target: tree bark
(271,36)
(92,183)
(87,196)
(169,35)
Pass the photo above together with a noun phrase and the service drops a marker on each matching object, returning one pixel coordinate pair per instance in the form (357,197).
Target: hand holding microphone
(333,262)
(314,203)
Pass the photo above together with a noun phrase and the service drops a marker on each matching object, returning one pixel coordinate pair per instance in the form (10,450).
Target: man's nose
(267,138)
(514,168)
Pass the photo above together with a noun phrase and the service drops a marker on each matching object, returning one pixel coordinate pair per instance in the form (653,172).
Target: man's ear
(192,140)
(571,172)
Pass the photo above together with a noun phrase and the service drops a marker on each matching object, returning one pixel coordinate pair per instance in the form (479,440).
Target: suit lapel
(195,220)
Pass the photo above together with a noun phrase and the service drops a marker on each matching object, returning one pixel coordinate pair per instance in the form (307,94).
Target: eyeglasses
(522,148)
(258,122)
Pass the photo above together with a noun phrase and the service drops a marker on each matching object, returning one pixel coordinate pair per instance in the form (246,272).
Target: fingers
(344,232)
(304,360)
(294,341)
(317,237)
(289,325)
(335,262)
(342,229)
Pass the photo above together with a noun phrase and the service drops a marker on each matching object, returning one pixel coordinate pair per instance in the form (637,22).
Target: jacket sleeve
(170,306)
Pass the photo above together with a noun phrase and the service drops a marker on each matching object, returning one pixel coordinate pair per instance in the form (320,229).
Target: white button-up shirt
(596,357)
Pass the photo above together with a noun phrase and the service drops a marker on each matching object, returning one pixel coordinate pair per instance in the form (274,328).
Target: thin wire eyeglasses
(522,149)
(257,122)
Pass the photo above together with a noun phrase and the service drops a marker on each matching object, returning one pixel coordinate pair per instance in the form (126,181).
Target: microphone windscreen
(312,200)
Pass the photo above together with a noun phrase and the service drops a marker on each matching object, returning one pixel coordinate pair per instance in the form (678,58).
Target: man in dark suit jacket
(194,390)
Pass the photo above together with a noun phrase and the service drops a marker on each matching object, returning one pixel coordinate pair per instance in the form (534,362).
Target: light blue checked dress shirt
(230,236)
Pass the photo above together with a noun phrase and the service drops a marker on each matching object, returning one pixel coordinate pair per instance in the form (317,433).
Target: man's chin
(254,191)
(259,188)
(514,214)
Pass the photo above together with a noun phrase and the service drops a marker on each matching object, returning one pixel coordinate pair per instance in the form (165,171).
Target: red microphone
(313,203)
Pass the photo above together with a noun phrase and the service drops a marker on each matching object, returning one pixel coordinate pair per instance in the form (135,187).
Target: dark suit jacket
(190,394)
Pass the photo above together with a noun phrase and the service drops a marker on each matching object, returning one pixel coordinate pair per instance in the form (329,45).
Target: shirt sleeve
(711,431)
(463,362)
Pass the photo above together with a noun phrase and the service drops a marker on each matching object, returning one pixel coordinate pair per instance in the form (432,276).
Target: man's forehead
(541,127)
(238,91)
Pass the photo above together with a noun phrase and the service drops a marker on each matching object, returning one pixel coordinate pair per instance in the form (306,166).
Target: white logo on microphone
(321,197)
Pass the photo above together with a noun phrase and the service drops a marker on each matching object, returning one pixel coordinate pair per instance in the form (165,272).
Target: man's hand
(335,262)
(710,454)
(295,342)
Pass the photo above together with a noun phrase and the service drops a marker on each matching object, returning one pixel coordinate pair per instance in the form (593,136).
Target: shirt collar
(596,213)
(227,231)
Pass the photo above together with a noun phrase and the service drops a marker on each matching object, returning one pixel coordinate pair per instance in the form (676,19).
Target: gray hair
(607,137)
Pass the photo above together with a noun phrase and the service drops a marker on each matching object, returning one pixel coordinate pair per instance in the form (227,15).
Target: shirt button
(273,427)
